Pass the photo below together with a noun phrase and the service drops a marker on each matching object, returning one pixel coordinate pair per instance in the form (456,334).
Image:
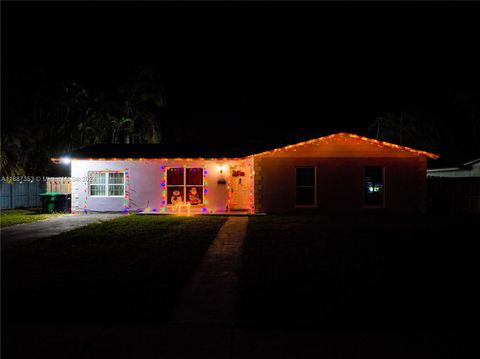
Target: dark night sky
(273,71)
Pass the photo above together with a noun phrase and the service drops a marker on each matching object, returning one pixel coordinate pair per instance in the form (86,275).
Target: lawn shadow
(360,277)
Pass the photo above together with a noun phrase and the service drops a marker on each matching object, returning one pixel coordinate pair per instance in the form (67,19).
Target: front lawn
(9,217)
(128,269)
(368,273)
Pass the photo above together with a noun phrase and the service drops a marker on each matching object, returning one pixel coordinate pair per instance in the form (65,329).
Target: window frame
(184,185)
(383,189)
(314,205)
(107,180)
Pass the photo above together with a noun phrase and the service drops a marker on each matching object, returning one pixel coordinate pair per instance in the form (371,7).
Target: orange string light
(351,135)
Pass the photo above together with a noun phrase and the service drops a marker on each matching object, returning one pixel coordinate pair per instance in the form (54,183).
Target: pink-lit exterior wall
(145,183)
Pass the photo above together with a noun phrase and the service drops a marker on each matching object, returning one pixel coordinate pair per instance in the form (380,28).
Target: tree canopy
(67,115)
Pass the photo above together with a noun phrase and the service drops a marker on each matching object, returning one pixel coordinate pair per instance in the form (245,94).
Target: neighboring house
(468,169)
(337,173)
(454,189)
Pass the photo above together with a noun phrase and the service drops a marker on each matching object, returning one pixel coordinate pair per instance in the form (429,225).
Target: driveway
(29,232)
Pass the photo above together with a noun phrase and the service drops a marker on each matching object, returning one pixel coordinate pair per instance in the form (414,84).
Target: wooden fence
(453,195)
(59,184)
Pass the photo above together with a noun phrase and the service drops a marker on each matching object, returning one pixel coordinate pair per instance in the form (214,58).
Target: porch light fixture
(65,160)
(221,180)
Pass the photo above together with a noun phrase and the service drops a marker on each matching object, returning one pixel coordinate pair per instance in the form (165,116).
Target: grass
(9,217)
(359,273)
(128,269)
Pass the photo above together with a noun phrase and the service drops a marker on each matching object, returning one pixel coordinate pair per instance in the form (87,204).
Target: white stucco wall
(145,183)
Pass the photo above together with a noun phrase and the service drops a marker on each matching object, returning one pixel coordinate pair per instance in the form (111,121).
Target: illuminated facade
(340,172)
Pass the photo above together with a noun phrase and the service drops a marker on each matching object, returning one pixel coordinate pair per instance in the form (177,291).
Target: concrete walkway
(29,232)
(202,323)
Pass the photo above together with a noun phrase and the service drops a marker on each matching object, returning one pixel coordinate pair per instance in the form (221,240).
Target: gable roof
(345,135)
(146,151)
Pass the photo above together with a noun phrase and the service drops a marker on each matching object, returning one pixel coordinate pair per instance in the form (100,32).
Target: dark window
(305,188)
(194,186)
(194,176)
(185,185)
(175,176)
(373,186)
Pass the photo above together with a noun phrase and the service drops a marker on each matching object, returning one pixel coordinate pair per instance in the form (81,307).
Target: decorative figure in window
(193,196)
(176,197)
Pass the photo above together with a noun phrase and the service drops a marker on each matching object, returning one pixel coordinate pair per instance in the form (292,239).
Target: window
(373,187)
(306,193)
(185,185)
(98,183)
(116,184)
(107,184)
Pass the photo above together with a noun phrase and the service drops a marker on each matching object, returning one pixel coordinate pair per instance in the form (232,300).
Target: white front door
(240,185)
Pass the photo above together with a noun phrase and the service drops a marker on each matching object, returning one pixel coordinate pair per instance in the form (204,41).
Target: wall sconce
(221,180)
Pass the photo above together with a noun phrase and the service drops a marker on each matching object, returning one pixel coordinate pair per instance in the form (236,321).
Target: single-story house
(467,169)
(338,173)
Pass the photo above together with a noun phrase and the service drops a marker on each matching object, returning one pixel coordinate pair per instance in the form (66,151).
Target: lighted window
(373,186)
(305,186)
(106,184)
(185,185)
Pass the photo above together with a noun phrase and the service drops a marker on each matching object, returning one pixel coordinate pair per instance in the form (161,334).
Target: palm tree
(139,98)
(120,125)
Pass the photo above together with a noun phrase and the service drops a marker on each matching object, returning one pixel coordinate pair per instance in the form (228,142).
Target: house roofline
(351,135)
(448,169)
(285,148)
(463,166)
(471,162)
(59,159)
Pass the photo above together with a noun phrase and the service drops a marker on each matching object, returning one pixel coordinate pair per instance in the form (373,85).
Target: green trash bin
(48,202)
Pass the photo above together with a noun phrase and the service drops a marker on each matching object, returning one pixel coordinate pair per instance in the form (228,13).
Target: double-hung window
(305,187)
(185,185)
(373,183)
(106,184)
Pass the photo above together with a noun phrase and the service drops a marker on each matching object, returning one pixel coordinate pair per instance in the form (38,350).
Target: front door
(240,188)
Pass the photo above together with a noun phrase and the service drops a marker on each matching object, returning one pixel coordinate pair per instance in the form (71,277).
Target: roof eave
(57,160)
(446,169)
